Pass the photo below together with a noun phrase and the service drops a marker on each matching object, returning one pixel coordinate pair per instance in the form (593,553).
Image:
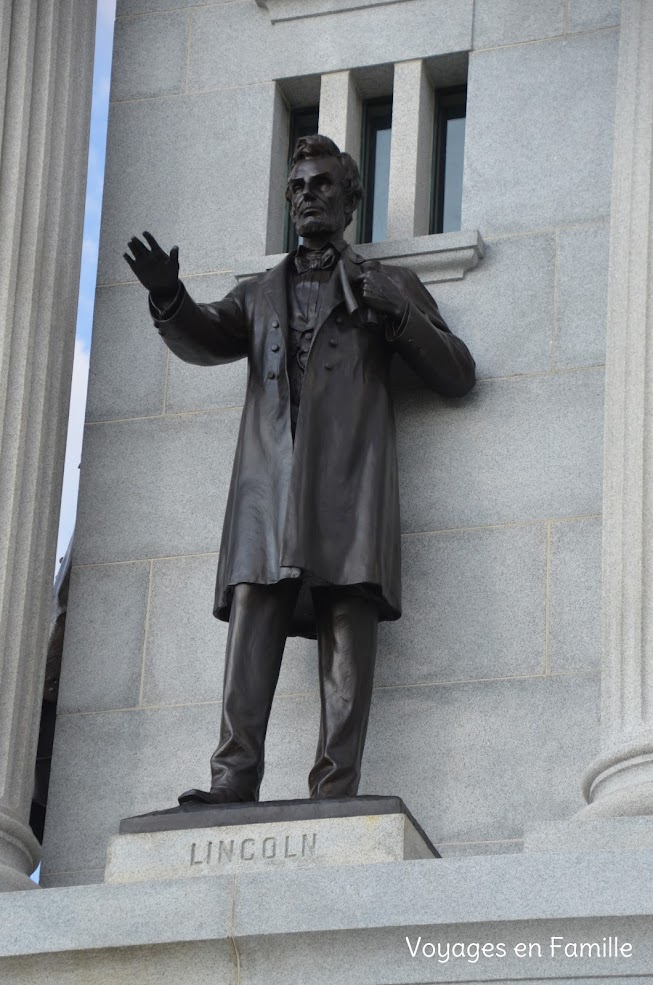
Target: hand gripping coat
(327,505)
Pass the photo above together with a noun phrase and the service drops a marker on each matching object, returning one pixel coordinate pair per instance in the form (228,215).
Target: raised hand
(157,270)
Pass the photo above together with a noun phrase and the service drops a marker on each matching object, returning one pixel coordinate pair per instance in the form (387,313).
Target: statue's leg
(347,633)
(259,622)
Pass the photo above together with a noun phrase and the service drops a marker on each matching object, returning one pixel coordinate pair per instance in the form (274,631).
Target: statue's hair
(316,145)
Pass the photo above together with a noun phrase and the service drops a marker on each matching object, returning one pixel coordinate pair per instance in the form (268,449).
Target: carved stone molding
(443,256)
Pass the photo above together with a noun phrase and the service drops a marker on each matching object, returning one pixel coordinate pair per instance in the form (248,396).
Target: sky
(99,114)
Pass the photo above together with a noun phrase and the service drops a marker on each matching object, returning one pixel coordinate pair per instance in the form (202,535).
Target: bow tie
(306,260)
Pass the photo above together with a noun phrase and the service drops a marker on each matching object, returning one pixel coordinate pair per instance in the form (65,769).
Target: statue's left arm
(426,343)
(417,330)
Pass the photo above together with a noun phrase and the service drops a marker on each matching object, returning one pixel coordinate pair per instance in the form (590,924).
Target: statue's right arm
(204,334)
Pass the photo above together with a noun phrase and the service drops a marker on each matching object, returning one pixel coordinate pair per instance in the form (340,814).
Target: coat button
(271,374)
(333,342)
(275,324)
(339,320)
(306,348)
(275,347)
(328,365)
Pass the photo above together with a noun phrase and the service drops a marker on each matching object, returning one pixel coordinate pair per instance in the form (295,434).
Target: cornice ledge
(287,10)
(436,258)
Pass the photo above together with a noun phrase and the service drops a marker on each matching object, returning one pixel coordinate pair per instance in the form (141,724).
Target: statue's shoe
(216,795)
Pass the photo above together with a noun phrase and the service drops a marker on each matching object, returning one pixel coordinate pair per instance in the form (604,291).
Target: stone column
(46,65)
(341,118)
(620,781)
(411,153)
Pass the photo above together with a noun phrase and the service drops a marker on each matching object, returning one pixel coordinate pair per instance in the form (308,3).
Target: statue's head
(324,187)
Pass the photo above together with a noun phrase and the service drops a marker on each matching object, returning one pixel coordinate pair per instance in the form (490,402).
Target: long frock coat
(325,506)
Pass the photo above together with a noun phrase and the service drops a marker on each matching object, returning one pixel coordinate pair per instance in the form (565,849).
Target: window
(448,159)
(303,123)
(375,170)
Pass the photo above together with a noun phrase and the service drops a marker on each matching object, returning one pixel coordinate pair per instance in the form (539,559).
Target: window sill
(437,258)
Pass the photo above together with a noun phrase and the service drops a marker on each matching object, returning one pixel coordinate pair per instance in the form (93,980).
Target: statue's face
(317,199)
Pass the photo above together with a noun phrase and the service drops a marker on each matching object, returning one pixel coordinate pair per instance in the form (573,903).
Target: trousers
(260,619)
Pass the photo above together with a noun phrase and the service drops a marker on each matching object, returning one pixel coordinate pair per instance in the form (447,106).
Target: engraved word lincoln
(311,537)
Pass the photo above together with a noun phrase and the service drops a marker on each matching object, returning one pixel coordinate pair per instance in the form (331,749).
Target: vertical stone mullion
(341,111)
(413,110)
(42,185)
(620,781)
(274,239)
(341,118)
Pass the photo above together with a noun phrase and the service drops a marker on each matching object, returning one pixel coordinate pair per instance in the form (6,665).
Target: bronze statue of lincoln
(311,537)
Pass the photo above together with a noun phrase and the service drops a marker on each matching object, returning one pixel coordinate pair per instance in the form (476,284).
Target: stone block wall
(486,702)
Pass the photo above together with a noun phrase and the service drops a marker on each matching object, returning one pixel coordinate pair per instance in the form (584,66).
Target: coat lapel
(275,286)
(350,254)
(352,262)
(330,298)
(333,295)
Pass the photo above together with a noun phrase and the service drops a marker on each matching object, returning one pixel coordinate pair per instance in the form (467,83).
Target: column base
(12,881)
(619,783)
(619,815)
(20,853)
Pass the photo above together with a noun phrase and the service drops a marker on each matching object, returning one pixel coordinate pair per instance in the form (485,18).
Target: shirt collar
(335,246)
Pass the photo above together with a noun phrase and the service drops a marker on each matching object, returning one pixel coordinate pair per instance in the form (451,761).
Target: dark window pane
(303,123)
(453,174)
(448,160)
(377,129)
(381,185)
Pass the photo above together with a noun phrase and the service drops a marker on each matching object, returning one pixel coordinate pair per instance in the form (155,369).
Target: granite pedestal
(205,840)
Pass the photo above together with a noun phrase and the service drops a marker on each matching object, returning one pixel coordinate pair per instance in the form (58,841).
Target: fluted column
(620,781)
(46,65)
